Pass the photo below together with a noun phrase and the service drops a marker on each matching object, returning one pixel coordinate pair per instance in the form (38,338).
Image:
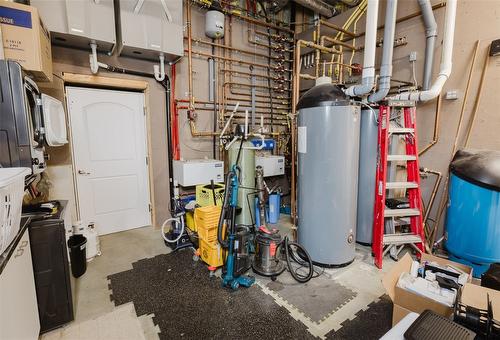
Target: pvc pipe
(159,71)
(94,64)
(368,75)
(229,120)
(446,59)
(388,48)
(246,124)
(430,41)
(2,55)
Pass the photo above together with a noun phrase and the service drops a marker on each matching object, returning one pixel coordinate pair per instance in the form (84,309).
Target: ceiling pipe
(368,74)
(388,48)
(446,59)
(430,41)
(319,7)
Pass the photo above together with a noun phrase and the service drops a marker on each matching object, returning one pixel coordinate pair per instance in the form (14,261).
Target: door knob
(82,172)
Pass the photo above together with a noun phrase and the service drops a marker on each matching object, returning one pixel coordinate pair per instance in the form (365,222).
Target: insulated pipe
(368,75)
(388,47)
(430,40)
(446,59)
(318,6)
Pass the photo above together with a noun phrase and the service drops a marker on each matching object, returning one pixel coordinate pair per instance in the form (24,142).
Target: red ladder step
(383,243)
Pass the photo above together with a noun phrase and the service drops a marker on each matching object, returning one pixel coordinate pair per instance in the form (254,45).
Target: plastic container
(212,254)
(190,221)
(11,198)
(274,208)
(206,220)
(77,245)
(205,196)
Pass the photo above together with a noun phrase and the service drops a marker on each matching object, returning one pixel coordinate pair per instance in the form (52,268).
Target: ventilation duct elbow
(446,59)
(319,7)
(368,75)
(430,40)
(388,48)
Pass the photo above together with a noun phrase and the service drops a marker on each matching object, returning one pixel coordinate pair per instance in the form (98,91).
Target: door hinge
(150,208)
(147,160)
(145,110)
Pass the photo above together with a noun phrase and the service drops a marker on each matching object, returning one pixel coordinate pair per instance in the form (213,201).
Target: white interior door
(109,147)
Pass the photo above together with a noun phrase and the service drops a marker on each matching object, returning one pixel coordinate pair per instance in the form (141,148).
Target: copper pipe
(274,47)
(277,37)
(307,76)
(235,60)
(435,137)
(205,42)
(255,75)
(337,42)
(257,95)
(478,98)
(337,28)
(190,56)
(247,18)
(435,188)
(258,86)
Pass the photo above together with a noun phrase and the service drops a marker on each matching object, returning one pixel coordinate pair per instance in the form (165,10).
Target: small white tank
(214,24)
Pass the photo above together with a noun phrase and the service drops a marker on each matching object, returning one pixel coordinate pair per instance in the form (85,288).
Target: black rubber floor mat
(188,303)
(372,323)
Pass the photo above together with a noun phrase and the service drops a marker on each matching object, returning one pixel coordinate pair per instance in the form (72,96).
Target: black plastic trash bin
(78,254)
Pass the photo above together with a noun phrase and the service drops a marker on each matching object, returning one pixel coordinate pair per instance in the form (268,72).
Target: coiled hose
(175,220)
(302,258)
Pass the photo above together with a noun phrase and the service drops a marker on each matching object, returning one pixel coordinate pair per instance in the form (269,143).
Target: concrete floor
(92,294)
(361,280)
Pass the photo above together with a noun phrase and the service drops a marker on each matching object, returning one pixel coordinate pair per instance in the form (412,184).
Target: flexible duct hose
(176,221)
(222,217)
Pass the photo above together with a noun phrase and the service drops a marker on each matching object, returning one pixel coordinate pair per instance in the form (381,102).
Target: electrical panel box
(272,165)
(198,171)
(147,28)
(76,23)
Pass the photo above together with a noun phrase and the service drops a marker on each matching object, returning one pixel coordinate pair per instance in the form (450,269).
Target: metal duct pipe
(368,75)
(388,48)
(319,7)
(446,59)
(430,40)
(350,3)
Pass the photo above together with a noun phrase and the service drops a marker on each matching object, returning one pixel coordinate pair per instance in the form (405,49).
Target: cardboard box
(26,39)
(477,296)
(405,301)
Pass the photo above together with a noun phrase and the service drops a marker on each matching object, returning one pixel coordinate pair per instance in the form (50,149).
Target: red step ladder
(395,242)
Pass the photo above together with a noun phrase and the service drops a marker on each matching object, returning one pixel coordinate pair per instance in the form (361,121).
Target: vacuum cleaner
(238,258)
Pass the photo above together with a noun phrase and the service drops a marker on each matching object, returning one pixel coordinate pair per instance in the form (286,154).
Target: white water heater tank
(214,24)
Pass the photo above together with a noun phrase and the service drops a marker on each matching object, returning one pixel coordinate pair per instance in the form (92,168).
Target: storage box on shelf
(25,39)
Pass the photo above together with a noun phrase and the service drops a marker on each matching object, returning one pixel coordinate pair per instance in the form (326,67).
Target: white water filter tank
(214,24)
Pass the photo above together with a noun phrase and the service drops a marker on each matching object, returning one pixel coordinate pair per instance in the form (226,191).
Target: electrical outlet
(413,56)
(451,95)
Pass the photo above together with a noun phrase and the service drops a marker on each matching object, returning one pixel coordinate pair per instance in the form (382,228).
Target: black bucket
(78,254)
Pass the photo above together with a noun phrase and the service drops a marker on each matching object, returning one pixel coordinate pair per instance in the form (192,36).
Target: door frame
(111,83)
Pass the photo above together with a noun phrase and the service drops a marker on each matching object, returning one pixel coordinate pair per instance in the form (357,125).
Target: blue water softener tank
(473,215)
